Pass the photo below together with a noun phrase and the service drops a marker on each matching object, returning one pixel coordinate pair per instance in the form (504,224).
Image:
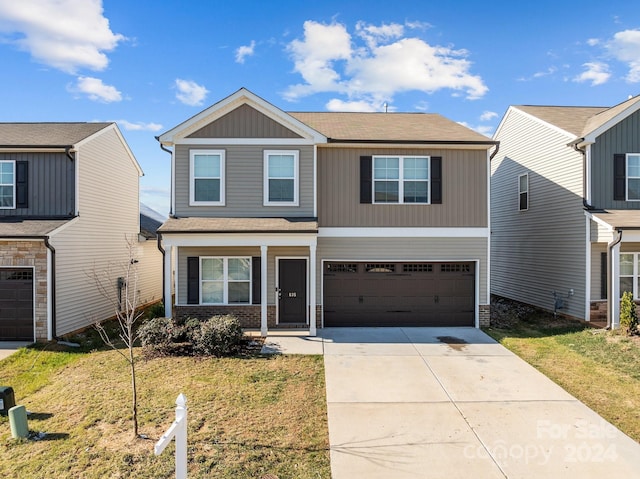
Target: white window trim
(400,180)
(635,276)
(225,280)
(12,207)
(627,177)
(296,178)
(192,185)
(520,192)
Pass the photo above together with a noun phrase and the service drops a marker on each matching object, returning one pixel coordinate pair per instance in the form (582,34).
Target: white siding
(541,250)
(149,271)
(97,241)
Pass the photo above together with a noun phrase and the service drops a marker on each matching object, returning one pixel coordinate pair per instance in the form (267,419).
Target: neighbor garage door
(399,294)
(16,304)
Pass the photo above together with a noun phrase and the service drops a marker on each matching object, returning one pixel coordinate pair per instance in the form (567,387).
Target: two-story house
(69,204)
(565,208)
(311,219)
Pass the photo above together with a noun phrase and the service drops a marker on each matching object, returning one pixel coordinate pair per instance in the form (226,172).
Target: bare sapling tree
(122,293)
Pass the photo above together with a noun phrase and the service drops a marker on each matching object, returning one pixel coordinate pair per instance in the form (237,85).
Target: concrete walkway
(7,348)
(453,403)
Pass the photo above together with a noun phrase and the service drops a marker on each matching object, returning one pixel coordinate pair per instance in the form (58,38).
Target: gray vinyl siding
(621,138)
(51,184)
(542,250)
(272,253)
(412,249)
(244,183)
(244,122)
(96,243)
(464,191)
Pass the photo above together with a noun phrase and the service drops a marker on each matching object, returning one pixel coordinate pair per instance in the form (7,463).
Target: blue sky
(151,64)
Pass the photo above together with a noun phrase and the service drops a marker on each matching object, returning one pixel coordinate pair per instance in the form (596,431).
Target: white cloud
(384,63)
(592,42)
(488,115)
(190,93)
(625,46)
(139,126)
(596,72)
(245,51)
(65,34)
(353,106)
(96,90)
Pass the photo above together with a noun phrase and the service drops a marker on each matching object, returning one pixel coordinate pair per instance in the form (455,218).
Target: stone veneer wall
(30,254)
(485,314)
(249,316)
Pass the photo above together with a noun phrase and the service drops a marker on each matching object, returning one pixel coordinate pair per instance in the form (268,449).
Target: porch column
(263,291)
(168,254)
(615,287)
(312,289)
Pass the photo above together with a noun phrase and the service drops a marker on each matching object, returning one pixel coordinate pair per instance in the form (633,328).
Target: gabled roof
(52,135)
(11,227)
(571,119)
(389,127)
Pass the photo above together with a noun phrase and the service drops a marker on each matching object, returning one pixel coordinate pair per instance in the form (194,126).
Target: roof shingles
(46,134)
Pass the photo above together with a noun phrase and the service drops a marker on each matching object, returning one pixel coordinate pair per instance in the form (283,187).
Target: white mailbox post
(179,430)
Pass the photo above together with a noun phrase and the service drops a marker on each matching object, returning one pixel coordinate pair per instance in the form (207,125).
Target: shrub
(155,310)
(218,336)
(157,333)
(628,313)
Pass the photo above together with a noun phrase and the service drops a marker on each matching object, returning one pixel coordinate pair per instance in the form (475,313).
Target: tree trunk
(134,391)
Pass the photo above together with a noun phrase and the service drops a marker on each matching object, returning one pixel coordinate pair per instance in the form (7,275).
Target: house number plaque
(293,294)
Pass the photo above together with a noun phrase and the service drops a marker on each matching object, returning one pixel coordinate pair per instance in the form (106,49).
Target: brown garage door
(16,304)
(399,294)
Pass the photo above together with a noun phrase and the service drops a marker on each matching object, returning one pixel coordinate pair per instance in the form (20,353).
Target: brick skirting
(485,314)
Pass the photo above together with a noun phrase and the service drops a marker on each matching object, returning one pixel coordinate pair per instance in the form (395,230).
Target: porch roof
(620,219)
(26,228)
(239,225)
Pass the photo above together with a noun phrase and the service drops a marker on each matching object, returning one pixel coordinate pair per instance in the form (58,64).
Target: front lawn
(248,417)
(600,368)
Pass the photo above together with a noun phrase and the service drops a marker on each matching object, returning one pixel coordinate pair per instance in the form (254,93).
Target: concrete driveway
(453,403)
(7,348)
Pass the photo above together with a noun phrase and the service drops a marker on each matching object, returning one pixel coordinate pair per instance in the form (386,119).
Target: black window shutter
(619,177)
(193,280)
(256,274)
(366,178)
(436,180)
(22,184)
(603,275)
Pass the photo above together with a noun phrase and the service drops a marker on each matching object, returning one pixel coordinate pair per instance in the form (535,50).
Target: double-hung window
(206,173)
(281,178)
(523,192)
(401,179)
(225,280)
(633,177)
(630,274)
(7,184)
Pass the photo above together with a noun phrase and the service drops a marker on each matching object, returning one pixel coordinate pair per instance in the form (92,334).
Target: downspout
(163,148)
(495,152)
(164,300)
(586,205)
(51,283)
(610,301)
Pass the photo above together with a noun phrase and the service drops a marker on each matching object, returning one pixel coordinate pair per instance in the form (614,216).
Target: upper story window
(401,179)
(206,176)
(281,178)
(225,280)
(633,177)
(523,192)
(7,185)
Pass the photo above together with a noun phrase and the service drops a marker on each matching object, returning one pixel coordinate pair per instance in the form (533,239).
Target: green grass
(600,368)
(247,416)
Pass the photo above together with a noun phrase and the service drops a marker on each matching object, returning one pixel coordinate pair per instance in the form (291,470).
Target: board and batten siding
(541,250)
(623,137)
(51,184)
(244,183)
(464,186)
(272,252)
(96,242)
(406,249)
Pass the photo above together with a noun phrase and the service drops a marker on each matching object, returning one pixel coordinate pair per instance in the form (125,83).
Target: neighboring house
(327,219)
(565,208)
(69,202)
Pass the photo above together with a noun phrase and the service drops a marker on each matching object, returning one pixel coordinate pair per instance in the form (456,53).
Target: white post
(263,291)
(179,430)
(615,287)
(312,289)
(168,253)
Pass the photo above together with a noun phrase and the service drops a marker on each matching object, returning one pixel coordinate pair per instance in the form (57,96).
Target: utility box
(7,399)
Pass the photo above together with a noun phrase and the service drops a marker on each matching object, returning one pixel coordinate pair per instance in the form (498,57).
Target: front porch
(261,270)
